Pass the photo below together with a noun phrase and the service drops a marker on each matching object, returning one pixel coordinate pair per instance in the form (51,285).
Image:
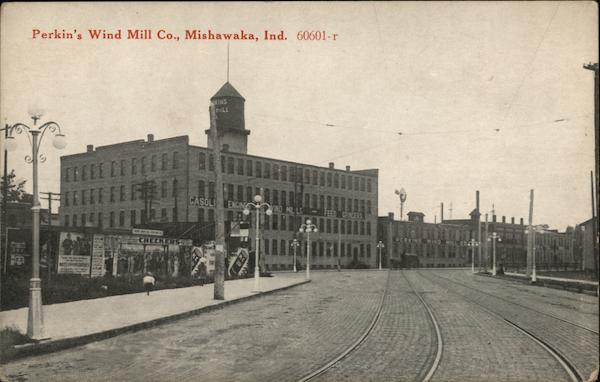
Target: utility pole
(3,230)
(594,223)
(530,235)
(219,283)
(485,242)
(478,230)
(594,68)
(148,190)
(50,196)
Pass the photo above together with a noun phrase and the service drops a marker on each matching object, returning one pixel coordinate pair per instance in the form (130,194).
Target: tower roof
(227,90)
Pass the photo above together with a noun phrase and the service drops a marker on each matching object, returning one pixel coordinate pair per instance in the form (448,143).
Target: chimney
(442,217)
(493,218)
(503,219)
(512,220)
(521,221)
(150,137)
(477,200)
(331,164)
(391,216)
(90,148)
(347,168)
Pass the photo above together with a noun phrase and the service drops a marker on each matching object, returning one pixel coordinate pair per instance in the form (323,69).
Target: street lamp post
(493,237)
(533,231)
(295,244)
(473,244)
(35,321)
(258,204)
(379,247)
(308,228)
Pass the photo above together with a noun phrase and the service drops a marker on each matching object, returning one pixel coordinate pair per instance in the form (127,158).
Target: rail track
(566,363)
(519,304)
(337,361)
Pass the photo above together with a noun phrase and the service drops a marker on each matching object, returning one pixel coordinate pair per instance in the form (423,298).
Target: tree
(15,191)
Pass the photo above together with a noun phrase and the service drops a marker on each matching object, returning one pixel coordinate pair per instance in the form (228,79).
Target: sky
(444,98)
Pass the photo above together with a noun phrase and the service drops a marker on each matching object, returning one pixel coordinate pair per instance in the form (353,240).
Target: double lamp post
(258,204)
(35,134)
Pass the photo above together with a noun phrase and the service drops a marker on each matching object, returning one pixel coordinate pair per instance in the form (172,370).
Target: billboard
(74,253)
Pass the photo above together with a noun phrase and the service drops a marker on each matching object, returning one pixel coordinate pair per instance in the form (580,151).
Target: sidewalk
(78,322)
(585,282)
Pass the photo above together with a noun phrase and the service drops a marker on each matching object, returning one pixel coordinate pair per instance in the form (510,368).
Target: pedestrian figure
(202,272)
(148,282)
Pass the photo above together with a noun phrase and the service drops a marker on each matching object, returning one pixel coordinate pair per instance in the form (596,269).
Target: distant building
(103,187)
(19,215)
(414,243)
(417,243)
(584,245)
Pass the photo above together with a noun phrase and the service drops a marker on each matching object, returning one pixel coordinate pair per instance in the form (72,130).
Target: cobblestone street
(289,334)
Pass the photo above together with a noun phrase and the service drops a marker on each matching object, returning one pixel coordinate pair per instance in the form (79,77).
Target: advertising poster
(97,269)
(74,254)
(238,264)
(205,255)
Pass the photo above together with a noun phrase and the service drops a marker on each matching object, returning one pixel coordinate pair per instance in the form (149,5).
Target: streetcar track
(356,344)
(518,304)
(438,332)
(352,348)
(574,374)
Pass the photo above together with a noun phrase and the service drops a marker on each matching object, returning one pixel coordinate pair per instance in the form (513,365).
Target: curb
(50,346)
(572,286)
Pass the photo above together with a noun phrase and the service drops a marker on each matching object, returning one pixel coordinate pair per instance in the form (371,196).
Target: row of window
(318,248)
(118,219)
(247,167)
(137,191)
(267,170)
(287,198)
(275,222)
(517,237)
(230,192)
(283,222)
(118,168)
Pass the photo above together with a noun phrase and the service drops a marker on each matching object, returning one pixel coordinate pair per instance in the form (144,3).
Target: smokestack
(521,221)
(442,214)
(150,137)
(503,219)
(493,218)
(477,201)
(512,220)
(90,148)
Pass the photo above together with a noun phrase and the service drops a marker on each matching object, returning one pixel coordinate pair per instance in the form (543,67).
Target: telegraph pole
(478,230)
(3,230)
(594,222)
(219,283)
(50,196)
(485,242)
(594,68)
(530,236)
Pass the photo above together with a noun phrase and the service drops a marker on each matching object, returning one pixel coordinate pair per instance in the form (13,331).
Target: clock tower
(229,110)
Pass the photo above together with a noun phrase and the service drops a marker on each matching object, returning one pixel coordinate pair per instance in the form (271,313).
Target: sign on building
(149,232)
